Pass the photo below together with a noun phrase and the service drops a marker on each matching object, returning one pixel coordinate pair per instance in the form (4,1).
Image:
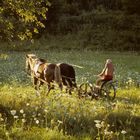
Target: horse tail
(77,66)
(57,75)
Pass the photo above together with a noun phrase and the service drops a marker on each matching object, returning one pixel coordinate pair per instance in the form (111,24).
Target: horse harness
(38,68)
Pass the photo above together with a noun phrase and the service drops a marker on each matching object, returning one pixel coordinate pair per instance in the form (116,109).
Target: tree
(131,7)
(21,19)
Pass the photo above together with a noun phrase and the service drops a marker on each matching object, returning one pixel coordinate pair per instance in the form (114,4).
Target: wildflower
(23,120)
(15,117)
(24,115)
(98,125)
(7,134)
(37,121)
(123,132)
(130,80)
(106,132)
(27,104)
(13,112)
(60,122)
(39,114)
(1,119)
(21,111)
(47,129)
(102,123)
(113,104)
(46,110)
(97,121)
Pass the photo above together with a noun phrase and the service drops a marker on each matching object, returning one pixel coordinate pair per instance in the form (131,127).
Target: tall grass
(23,115)
(126,65)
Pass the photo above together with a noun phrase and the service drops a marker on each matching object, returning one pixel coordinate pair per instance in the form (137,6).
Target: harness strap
(67,77)
(37,67)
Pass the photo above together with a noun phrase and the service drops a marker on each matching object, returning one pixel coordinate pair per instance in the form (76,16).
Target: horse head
(30,62)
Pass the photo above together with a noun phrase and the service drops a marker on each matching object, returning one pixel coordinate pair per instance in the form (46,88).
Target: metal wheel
(85,89)
(108,90)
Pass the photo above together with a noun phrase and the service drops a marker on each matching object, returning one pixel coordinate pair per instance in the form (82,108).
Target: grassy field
(25,116)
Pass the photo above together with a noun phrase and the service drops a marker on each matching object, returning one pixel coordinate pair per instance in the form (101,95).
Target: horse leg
(49,79)
(35,82)
(69,85)
(65,83)
(49,89)
(72,85)
(70,90)
(61,86)
(40,84)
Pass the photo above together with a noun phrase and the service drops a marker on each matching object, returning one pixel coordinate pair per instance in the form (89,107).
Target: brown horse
(43,72)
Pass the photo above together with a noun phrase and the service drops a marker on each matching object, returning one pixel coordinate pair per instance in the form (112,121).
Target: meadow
(25,116)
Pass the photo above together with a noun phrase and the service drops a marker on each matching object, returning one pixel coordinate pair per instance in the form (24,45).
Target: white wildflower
(21,111)
(23,120)
(7,133)
(1,119)
(37,121)
(27,104)
(13,112)
(39,114)
(98,125)
(123,132)
(106,132)
(16,117)
(60,122)
(97,121)
(24,115)
(46,110)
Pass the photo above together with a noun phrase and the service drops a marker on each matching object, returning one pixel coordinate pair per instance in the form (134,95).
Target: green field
(25,116)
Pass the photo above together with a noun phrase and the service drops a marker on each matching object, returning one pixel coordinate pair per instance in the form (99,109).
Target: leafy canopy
(21,19)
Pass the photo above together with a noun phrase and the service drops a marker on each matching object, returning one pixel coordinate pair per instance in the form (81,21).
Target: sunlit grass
(24,115)
(25,111)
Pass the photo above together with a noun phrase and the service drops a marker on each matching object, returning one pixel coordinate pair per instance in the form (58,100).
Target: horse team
(41,71)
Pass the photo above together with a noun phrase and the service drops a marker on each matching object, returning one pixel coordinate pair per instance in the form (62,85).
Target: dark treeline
(107,24)
(93,24)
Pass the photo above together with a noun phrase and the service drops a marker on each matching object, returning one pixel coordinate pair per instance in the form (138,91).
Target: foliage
(106,24)
(22,18)
(131,7)
(91,24)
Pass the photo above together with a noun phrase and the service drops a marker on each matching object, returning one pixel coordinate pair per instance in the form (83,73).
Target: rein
(40,79)
(67,77)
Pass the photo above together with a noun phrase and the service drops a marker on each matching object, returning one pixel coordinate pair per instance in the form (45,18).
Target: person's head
(108,61)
